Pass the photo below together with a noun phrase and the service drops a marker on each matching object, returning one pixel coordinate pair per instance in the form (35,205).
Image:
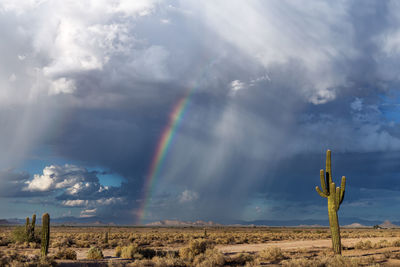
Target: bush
(273,254)
(19,234)
(66,254)
(335,261)
(363,245)
(241,259)
(211,257)
(129,251)
(95,253)
(118,251)
(382,244)
(396,243)
(195,247)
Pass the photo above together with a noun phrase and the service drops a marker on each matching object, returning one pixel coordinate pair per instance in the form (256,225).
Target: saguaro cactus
(335,197)
(45,234)
(27,228)
(31,235)
(30,229)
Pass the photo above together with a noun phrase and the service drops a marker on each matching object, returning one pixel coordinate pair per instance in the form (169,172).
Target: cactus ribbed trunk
(335,196)
(335,230)
(45,234)
(27,227)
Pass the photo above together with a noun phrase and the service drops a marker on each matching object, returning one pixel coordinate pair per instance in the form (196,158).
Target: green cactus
(106,238)
(335,196)
(45,234)
(27,228)
(32,229)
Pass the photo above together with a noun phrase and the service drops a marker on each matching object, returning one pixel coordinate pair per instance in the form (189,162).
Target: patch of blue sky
(109,179)
(36,166)
(390,106)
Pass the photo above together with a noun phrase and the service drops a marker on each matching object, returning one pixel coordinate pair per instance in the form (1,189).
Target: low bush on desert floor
(13,258)
(272,254)
(191,247)
(95,253)
(65,254)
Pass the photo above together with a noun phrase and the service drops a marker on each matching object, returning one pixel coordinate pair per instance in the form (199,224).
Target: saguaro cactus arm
(342,189)
(322,194)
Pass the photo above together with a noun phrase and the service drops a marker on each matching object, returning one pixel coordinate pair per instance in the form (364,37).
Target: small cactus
(30,229)
(335,196)
(45,234)
(27,226)
(106,238)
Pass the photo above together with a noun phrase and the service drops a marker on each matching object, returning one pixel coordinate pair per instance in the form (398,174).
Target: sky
(137,111)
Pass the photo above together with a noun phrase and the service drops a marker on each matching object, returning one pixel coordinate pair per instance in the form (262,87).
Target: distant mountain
(99,221)
(308,222)
(6,222)
(181,223)
(356,225)
(388,225)
(310,226)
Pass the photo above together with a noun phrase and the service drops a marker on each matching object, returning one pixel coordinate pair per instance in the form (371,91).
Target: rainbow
(163,145)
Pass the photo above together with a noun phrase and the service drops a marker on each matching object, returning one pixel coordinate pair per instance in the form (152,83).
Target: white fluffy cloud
(65,38)
(72,178)
(92,203)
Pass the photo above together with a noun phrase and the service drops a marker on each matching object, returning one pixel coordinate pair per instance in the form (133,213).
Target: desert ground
(198,246)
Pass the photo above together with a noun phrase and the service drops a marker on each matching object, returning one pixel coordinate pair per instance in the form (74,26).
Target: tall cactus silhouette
(45,234)
(335,196)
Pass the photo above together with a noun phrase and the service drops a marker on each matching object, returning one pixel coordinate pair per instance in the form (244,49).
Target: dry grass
(95,253)
(188,246)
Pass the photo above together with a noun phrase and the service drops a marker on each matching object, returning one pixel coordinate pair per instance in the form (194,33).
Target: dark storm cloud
(273,90)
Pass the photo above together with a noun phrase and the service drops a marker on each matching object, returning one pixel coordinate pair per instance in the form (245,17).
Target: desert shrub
(396,243)
(329,261)
(147,253)
(13,258)
(159,262)
(273,254)
(240,259)
(382,244)
(129,252)
(133,251)
(195,248)
(4,241)
(65,254)
(363,245)
(81,244)
(19,234)
(118,251)
(95,253)
(211,257)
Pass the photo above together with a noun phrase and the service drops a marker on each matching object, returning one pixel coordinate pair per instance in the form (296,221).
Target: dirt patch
(290,245)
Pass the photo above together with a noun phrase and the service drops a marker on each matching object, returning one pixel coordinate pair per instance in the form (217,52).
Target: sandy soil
(284,245)
(299,244)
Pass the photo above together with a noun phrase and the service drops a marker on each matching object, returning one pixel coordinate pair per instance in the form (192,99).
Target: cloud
(188,196)
(94,82)
(88,213)
(72,178)
(235,86)
(93,203)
